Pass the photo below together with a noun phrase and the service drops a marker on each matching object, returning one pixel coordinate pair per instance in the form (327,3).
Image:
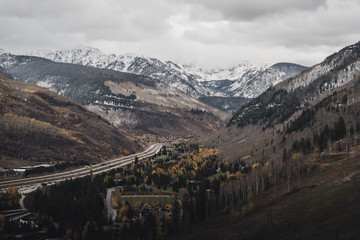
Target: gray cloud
(80,20)
(40,8)
(250,10)
(205,32)
(328,28)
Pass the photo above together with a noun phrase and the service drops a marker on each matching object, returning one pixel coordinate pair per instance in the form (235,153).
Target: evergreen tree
(352,131)
(339,130)
(176,215)
(344,99)
(284,155)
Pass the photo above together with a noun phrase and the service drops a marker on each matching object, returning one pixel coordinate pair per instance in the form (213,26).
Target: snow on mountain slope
(248,80)
(233,73)
(256,82)
(346,58)
(6,59)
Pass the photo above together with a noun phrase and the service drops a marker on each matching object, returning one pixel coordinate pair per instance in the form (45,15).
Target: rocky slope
(130,102)
(244,80)
(39,126)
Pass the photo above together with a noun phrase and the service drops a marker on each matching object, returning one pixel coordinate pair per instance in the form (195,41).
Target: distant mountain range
(131,102)
(244,80)
(138,93)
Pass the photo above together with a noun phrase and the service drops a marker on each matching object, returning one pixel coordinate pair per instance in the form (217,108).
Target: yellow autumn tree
(297,156)
(255,165)
(169,205)
(89,230)
(13,191)
(137,204)
(2,223)
(122,213)
(68,233)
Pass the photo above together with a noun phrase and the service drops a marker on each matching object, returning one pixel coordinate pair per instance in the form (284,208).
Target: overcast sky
(209,33)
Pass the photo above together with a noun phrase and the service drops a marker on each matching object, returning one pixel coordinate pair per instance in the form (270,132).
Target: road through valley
(83,171)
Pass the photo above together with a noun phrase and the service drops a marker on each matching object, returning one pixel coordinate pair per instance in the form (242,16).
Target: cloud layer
(205,32)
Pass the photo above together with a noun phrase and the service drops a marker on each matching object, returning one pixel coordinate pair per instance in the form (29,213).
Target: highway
(16,214)
(83,171)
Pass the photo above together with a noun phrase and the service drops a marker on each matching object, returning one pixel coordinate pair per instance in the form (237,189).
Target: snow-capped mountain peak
(233,73)
(192,80)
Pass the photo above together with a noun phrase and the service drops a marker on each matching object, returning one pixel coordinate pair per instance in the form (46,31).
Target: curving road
(83,171)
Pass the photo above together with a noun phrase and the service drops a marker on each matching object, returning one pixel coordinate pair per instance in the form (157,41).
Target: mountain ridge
(279,102)
(192,80)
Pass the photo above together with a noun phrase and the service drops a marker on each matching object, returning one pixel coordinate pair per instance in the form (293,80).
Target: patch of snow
(45,84)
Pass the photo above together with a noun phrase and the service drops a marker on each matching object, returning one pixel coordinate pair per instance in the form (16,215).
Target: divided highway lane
(15,214)
(83,171)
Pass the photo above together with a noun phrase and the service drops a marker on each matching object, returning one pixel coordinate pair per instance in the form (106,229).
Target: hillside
(321,205)
(137,104)
(281,101)
(296,108)
(38,126)
(292,176)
